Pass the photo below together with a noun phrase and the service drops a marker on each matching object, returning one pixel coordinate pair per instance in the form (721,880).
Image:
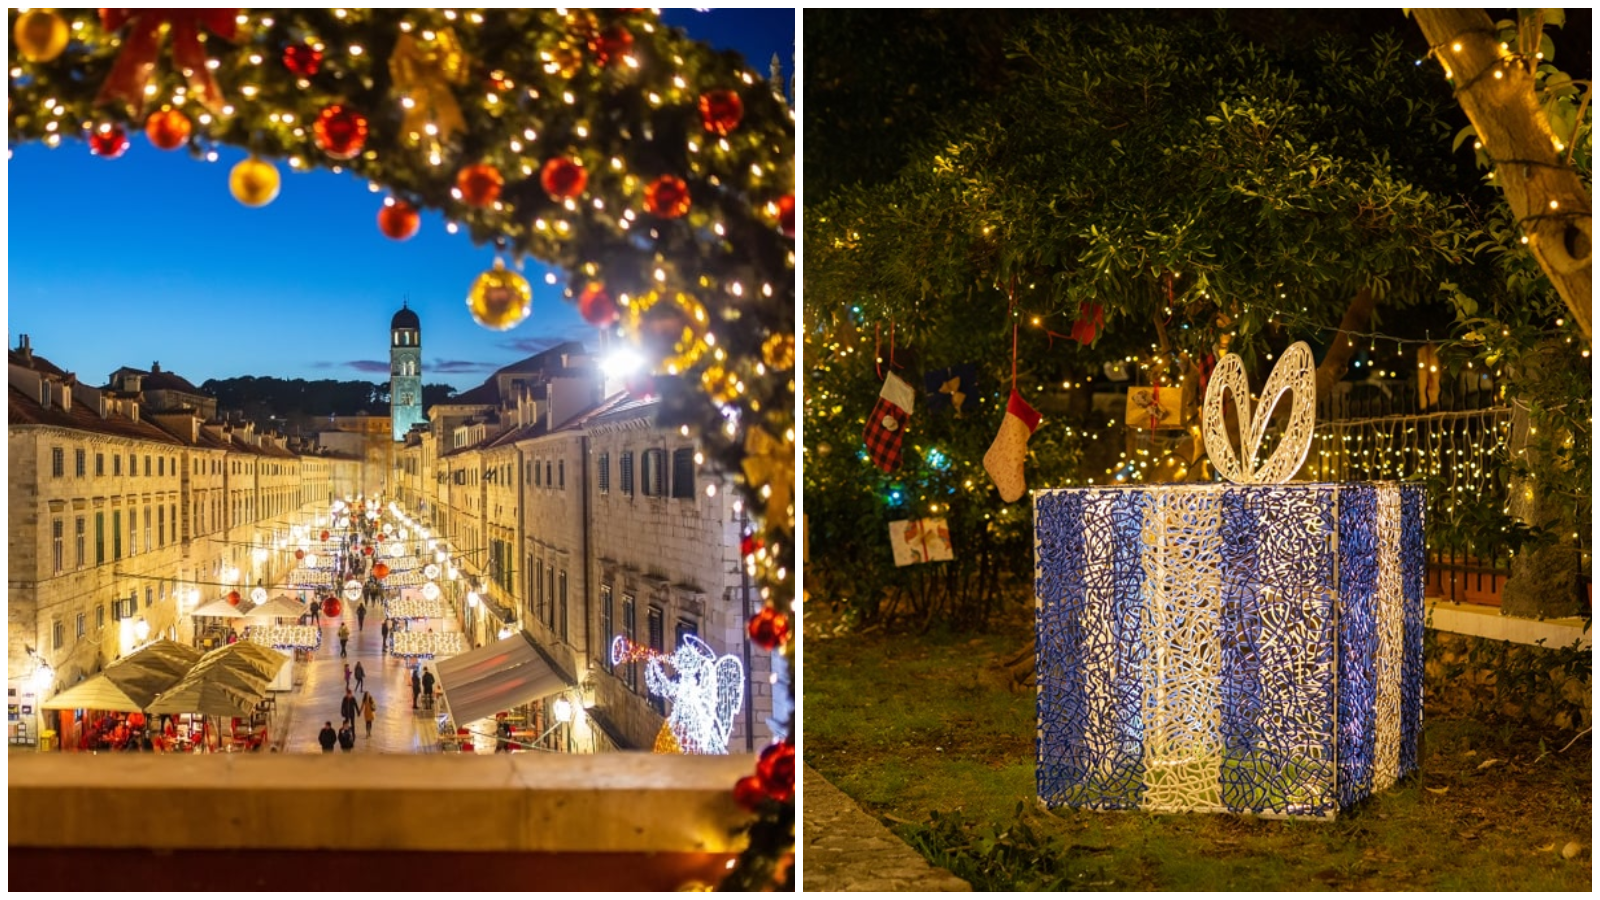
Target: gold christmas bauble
(254,182)
(40,35)
(500,299)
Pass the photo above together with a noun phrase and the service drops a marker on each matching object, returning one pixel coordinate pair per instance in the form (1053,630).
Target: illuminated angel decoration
(705,695)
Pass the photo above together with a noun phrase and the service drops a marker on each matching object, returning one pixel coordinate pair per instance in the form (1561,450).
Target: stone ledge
(844,849)
(618,802)
(1487,622)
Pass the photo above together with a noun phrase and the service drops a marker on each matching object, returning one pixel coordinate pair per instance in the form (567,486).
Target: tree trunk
(1357,318)
(1544,192)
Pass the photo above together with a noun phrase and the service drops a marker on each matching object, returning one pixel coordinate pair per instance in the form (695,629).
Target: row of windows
(153,538)
(80,464)
(125,608)
(653,475)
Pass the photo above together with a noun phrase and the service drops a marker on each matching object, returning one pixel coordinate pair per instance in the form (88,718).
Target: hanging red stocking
(1007,455)
(886,426)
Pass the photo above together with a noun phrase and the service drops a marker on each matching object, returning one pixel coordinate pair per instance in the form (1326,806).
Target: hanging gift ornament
(479,184)
(168,129)
(398,219)
(667,197)
(302,60)
(40,35)
(610,45)
(141,44)
(109,141)
(563,178)
(254,182)
(341,131)
(721,111)
(500,299)
(596,306)
(423,74)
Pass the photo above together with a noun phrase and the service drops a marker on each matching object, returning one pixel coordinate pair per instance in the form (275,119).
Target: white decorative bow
(1296,373)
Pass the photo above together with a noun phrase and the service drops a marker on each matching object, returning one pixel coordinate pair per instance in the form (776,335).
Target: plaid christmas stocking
(887,425)
(1006,455)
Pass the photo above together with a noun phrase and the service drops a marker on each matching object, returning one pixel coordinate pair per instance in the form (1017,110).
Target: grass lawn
(924,732)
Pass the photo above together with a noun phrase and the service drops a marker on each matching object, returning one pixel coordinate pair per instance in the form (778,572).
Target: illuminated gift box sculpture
(1229,647)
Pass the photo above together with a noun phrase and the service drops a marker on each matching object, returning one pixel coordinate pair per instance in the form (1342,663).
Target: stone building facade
(123,519)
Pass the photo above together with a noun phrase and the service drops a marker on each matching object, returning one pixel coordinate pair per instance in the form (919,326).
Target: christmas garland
(654,170)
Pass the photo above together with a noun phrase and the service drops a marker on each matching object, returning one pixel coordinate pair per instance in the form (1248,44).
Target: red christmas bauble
(721,111)
(324,535)
(380,570)
(398,220)
(479,184)
(302,60)
(749,544)
(610,45)
(769,628)
(748,794)
(233,598)
(776,771)
(596,306)
(1091,318)
(167,129)
(786,215)
(341,131)
(136,719)
(331,607)
(563,178)
(382,537)
(299,554)
(367,550)
(110,142)
(667,197)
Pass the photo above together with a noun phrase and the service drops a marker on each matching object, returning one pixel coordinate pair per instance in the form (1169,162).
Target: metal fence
(1381,430)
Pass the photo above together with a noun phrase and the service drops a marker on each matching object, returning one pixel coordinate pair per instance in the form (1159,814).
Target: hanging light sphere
(479,184)
(430,591)
(398,219)
(167,129)
(500,299)
(430,571)
(302,60)
(352,590)
(311,560)
(472,599)
(596,306)
(40,35)
(720,111)
(258,594)
(254,182)
(563,178)
(109,141)
(341,131)
(667,197)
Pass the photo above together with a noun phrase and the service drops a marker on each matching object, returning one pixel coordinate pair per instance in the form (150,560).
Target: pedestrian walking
(416,687)
(347,737)
(361,677)
(326,737)
(427,688)
(348,707)
(385,635)
(344,639)
(369,711)
(361,616)
(316,611)
(347,676)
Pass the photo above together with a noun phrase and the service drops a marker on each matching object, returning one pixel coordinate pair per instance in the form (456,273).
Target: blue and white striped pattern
(1228,648)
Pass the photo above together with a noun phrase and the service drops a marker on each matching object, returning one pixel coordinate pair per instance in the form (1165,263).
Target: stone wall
(1547,687)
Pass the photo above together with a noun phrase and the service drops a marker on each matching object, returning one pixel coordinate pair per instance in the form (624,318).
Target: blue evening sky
(148,258)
